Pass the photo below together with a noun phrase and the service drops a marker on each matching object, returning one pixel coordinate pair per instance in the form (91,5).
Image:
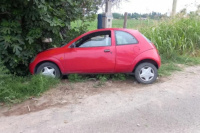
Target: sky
(147,6)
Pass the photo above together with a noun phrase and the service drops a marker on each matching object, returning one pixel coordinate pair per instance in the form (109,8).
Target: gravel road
(169,106)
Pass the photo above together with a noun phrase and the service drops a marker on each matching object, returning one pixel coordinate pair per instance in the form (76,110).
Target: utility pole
(107,16)
(125,20)
(174,8)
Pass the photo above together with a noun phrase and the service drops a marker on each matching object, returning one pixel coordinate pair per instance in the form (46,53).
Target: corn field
(177,36)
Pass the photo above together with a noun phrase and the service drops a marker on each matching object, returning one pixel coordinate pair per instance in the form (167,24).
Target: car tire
(146,73)
(49,69)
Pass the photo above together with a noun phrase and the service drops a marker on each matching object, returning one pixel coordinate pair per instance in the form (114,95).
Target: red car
(111,50)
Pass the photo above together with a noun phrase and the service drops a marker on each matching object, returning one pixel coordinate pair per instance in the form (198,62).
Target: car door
(126,50)
(93,53)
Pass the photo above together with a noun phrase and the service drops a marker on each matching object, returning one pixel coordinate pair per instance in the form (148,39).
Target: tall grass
(177,40)
(177,36)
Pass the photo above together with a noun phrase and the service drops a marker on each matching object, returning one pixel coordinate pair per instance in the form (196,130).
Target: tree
(136,15)
(114,2)
(155,15)
(117,15)
(24,23)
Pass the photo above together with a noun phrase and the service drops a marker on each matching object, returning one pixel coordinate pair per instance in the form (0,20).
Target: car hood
(50,52)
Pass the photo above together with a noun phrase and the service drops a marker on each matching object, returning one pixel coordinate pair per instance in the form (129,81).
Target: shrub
(24,23)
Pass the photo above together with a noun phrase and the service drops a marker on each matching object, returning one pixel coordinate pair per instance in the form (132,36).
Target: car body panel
(92,59)
(147,55)
(125,54)
(55,55)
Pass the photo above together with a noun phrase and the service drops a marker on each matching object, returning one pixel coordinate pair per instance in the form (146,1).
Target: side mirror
(73,45)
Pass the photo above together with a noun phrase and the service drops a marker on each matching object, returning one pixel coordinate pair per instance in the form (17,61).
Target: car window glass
(123,38)
(96,39)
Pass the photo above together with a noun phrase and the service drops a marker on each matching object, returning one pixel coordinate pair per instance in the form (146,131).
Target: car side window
(96,39)
(124,38)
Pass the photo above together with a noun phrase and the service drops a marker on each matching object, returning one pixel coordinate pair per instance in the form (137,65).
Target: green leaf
(6,30)
(7,39)
(17,49)
(30,40)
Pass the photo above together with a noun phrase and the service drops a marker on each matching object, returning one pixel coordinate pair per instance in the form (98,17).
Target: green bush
(24,23)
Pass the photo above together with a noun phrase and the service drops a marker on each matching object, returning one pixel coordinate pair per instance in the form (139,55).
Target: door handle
(107,50)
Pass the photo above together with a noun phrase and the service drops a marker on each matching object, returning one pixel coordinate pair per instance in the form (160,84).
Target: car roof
(122,29)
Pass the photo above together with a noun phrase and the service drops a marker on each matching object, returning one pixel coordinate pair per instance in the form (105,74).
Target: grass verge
(15,89)
(177,64)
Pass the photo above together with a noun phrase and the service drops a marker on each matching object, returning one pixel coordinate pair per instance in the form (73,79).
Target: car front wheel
(49,69)
(146,73)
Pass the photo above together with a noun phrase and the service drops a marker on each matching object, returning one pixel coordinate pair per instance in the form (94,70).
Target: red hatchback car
(111,50)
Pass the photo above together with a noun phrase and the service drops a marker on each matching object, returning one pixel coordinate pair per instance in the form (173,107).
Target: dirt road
(170,105)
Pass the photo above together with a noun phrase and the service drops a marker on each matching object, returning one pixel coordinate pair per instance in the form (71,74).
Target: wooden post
(125,20)
(174,7)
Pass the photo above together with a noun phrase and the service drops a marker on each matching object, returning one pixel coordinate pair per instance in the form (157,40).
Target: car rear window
(124,38)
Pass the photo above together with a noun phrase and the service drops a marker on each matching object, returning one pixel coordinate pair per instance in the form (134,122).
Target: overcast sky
(146,6)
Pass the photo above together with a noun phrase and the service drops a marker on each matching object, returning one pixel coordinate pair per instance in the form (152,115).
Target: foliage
(114,2)
(117,16)
(4,74)
(24,23)
(103,77)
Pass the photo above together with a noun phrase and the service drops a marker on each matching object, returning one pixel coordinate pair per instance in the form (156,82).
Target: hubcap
(49,71)
(146,73)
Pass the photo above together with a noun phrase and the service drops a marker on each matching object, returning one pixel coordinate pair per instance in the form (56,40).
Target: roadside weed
(16,89)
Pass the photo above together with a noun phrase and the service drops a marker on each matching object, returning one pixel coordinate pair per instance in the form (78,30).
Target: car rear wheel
(146,73)
(49,69)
